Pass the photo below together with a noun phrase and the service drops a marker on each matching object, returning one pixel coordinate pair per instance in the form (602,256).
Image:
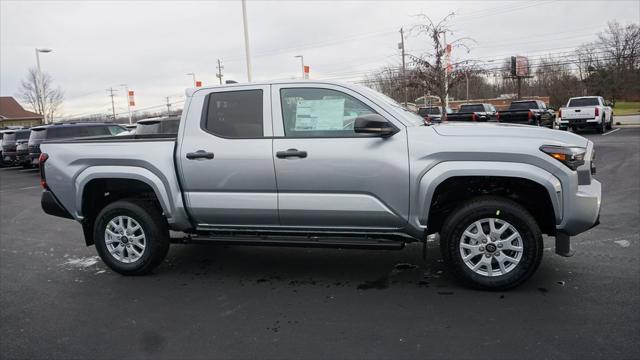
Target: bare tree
(432,71)
(47,101)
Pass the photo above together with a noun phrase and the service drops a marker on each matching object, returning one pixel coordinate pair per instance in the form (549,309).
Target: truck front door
(328,176)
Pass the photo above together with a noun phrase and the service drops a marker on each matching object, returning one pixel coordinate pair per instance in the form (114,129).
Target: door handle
(200,154)
(291,153)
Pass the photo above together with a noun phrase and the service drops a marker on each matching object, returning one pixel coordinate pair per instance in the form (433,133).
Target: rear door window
(234,114)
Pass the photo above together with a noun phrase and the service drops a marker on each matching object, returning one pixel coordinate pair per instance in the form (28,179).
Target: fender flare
(434,176)
(160,188)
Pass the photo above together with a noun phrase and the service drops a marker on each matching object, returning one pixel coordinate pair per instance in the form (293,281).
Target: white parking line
(611,132)
(24,188)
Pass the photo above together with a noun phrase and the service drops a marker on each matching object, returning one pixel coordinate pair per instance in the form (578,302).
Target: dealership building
(13,114)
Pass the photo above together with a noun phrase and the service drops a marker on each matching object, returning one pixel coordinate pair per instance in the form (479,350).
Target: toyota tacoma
(327,165)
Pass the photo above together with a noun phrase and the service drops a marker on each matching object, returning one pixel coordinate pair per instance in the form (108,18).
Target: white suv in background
(586,112)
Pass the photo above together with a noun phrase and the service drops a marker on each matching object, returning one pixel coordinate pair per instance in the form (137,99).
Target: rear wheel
(492,243)
(610,124)
(131,236)
(603,125)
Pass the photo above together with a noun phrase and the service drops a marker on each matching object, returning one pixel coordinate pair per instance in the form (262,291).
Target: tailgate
(578,113)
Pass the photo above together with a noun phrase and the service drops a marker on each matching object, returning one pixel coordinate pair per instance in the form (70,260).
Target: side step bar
(293,241)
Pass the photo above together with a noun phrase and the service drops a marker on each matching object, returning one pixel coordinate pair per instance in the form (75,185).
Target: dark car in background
(164,125)
(433,114)
(9,144)
(474,112)
(40,134)
(528,112)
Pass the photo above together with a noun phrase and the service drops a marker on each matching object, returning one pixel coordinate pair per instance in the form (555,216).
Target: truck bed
(147,158)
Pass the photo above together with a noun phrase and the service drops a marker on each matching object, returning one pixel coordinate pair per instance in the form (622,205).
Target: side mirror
(373,124)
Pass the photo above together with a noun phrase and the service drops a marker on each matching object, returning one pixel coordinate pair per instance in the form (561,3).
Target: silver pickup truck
(329,165)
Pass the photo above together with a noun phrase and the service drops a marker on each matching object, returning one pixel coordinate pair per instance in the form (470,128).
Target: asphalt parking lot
(58,300)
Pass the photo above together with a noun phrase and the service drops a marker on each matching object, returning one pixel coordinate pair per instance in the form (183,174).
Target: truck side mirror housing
(374,124)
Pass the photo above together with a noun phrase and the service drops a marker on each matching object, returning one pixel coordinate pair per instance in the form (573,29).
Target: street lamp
(301,63)
(194,78)
(39,89)
(126,89)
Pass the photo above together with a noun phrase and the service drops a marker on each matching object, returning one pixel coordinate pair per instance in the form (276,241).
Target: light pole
(39,89)
(194,78)
(301,64)
(246,39)
(126,89)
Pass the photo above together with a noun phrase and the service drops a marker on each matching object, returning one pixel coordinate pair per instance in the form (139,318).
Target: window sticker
(326,114)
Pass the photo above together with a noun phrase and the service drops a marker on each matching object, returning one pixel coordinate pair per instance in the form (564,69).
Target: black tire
(155,229)
(502,209)
(603,126)
(610,124)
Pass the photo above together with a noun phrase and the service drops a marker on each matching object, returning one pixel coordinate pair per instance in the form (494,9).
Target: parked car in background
(433,114)
(10,143)
(67,131)
(1,157)
(22,153)
(586,112)
(308,163)
(474,112)
(528,112)
(162,125)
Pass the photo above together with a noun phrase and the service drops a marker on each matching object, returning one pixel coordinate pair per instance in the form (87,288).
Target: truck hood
(511,131)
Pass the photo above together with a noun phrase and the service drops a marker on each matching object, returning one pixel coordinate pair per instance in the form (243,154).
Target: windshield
(145,128)
(408,115)
(584,102)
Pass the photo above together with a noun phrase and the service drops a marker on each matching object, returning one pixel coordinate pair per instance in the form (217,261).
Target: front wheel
(491,243)
(131,236)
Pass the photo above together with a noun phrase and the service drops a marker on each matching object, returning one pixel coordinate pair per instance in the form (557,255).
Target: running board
(292,241)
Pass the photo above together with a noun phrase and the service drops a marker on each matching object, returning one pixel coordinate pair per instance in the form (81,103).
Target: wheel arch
(98,186)
(485,177)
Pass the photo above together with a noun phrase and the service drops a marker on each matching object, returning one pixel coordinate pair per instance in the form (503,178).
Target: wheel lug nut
(484,241)
(488,255)
(481,248)
(500,246)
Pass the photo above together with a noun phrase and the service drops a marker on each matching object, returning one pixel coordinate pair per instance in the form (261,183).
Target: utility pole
(219,74)
(246,39)
(113,105)
(404,71)
(466,76)
(39,90)
(446,71)
(168,107)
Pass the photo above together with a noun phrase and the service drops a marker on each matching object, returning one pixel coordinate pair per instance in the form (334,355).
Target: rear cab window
(580,102)
(523,105)
(471,108)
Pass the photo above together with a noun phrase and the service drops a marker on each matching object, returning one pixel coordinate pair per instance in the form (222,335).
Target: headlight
(572,157)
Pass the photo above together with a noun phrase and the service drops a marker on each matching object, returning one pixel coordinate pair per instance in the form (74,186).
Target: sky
(152,45)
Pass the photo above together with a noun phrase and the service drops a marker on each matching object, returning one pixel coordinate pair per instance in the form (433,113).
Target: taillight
(474,117)
(41,160)
(597,111)
(497,116)
(530,115)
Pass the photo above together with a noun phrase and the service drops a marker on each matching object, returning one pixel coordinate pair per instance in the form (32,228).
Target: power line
(113,106)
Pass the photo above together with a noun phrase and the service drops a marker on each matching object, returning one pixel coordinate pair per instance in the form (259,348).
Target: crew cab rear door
(328,176)
(225,158)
